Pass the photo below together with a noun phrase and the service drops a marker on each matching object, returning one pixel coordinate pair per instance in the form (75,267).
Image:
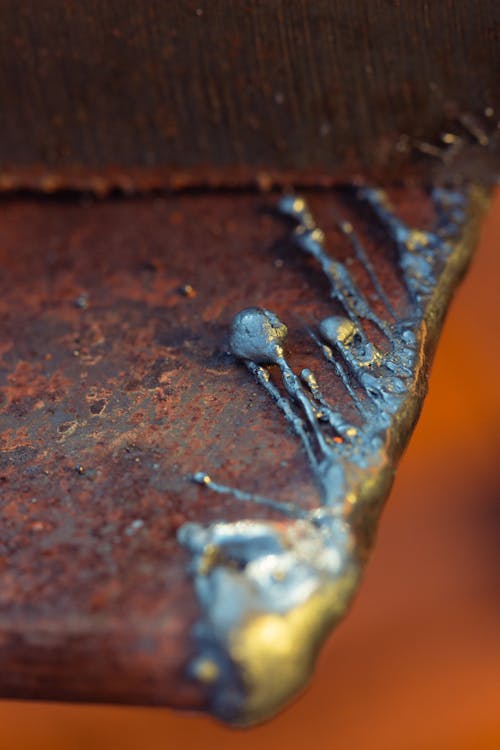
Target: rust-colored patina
(116,385)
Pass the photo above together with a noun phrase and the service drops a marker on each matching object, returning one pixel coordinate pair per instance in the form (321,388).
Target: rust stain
(114,387)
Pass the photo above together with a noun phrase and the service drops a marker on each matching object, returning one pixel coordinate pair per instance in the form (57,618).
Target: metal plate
(117,385)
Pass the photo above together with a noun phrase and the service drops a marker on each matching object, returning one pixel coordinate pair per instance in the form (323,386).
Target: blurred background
(416,664)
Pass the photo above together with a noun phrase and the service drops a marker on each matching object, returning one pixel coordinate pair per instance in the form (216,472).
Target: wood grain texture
(137,95)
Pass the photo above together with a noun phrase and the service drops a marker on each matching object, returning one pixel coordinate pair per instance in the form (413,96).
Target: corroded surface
(117,385)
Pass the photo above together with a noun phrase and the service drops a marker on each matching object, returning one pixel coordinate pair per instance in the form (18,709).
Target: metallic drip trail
(259,581)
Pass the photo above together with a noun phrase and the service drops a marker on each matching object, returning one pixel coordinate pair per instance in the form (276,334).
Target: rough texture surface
(115,385)
(437,560)
(136,95)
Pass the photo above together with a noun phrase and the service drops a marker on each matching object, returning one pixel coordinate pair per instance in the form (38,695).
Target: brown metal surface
(115,385)
(136,95)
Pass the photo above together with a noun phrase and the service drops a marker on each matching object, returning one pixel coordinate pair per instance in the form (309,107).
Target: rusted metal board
(136,95)
(117,385)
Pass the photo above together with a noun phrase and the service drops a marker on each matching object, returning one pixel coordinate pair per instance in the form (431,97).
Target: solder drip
(253,576)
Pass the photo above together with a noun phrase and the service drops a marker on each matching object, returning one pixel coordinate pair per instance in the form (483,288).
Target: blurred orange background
(416,664)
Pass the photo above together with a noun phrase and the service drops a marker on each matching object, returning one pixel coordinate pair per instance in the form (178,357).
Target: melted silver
(259,566)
